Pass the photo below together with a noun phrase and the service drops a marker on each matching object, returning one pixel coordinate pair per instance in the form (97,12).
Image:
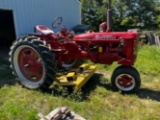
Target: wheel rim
(125,82)
(28,64)
(69,63)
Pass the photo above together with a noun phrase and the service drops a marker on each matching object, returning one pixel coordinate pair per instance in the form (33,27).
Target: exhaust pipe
(109,16)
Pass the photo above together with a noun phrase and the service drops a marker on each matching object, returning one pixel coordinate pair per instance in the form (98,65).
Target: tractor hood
(105,36)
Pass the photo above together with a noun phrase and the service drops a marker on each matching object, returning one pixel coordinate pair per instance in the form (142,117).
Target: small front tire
(125,79)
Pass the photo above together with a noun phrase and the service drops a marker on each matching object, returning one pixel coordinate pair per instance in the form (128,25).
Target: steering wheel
(56,22)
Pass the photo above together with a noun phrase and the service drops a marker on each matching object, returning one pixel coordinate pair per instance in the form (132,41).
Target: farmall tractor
(36,58)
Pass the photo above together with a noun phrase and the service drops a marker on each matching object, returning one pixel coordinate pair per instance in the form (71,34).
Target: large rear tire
(32,62)
(125,79)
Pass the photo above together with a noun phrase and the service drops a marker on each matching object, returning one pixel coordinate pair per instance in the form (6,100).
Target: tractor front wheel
(33,63)
(125,79)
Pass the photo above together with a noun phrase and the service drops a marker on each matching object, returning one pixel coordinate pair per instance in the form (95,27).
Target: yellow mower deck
(77,77)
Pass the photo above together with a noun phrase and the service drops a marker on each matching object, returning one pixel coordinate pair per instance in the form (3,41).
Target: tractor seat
(44,30)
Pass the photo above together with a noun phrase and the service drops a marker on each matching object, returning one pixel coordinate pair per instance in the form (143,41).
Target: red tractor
(35,58)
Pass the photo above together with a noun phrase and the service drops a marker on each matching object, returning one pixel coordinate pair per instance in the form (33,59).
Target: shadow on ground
(7,82)
(145,93)
(96,80)
(4,51)
(6,77)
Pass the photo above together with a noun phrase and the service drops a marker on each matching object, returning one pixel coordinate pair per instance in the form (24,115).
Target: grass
(148,60)
(99,102)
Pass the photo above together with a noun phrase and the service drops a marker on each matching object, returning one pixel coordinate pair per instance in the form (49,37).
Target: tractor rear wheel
(32,62)
(125,79)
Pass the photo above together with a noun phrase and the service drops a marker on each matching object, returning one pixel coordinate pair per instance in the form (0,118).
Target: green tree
(157,12)
(142,12)
(126,13)
(92,13)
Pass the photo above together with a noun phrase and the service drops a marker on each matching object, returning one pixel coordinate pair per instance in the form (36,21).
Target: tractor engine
(107,47)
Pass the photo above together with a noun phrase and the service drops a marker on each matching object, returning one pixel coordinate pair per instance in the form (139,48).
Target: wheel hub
(125,82)
(30,64)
